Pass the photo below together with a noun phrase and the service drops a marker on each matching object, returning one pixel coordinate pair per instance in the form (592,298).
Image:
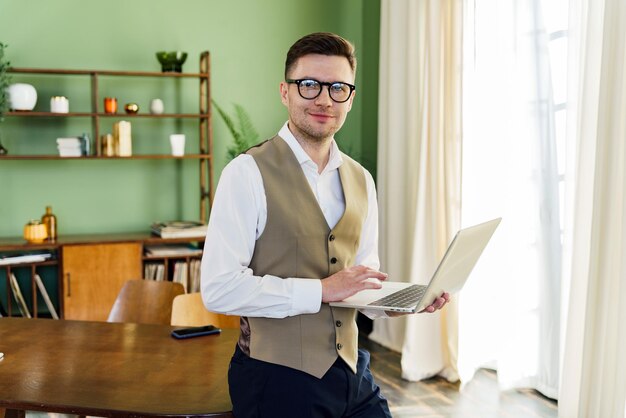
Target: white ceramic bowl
(22,96)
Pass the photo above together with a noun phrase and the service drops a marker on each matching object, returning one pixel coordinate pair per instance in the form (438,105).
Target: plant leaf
(230,124)
(5,81)
(241,128)
(248,132)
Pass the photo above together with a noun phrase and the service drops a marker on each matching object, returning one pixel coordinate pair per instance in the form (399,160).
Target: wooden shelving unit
(69,288)
(96,113)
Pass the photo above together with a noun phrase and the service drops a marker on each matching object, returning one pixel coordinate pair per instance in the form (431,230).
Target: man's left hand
(439,303)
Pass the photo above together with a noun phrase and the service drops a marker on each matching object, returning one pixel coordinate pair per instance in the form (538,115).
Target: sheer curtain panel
(509,309)
(594,364)
(419,153)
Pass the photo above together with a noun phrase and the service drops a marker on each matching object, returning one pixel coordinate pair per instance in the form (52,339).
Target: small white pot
(156,106)
(22,96)
(59,104)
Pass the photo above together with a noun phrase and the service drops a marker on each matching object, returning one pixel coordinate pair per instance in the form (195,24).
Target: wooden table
(107,369)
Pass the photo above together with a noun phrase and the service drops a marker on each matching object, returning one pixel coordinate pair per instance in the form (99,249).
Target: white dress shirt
(238,218)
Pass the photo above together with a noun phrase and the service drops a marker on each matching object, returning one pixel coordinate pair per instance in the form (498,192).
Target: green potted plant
(5,80)
(241,128)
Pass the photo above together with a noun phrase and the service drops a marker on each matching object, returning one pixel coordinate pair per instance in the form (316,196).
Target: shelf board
(106,115)
(19,244)
(106,72)
(94,157)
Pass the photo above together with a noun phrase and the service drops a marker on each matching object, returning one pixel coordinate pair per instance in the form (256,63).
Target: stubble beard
(314,135)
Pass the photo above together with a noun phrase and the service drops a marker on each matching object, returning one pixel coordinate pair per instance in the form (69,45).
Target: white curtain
(509,310)
(419,169)
(594,364)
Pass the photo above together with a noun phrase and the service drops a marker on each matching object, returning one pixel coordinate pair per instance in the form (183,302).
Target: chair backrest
(145,302)
(189,311)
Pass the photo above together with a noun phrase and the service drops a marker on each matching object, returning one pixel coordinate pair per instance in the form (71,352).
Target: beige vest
(297,242)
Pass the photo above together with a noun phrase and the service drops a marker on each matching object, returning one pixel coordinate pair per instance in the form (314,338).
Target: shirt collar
(334,161)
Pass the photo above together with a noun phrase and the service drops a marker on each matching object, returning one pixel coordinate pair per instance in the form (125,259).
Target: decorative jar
(35,232)
(131,108)
(22,96)
(110,105)
(156,106)
(59,104)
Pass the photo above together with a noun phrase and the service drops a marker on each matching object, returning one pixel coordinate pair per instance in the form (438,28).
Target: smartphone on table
(191,332)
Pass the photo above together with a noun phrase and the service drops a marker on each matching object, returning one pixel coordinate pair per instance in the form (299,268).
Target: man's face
(317,119)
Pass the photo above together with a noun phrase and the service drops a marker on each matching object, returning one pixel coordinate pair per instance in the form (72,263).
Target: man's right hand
(349,281)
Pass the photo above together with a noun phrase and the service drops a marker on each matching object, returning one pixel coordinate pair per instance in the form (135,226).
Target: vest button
(339,346)
(338,323)
(331,237)
(333,260)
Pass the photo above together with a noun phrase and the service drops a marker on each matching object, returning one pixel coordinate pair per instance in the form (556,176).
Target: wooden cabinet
(85,272)
(93,276)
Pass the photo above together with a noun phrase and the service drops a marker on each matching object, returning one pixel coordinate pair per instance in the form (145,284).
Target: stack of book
(188,274)
(179,229)
(154,271)
(26,258)
(16,290)
(181,274)
(194,276)
(69,147)
(175,250)
(21,302)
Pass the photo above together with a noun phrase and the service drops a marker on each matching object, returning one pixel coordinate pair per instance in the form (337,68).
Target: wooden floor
(438,398)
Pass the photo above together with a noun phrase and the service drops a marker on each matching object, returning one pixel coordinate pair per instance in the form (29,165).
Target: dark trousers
(264,390)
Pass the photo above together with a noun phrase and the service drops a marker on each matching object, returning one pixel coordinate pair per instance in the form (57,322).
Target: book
(73,141)
(46,297)
(179,229)
(180,274)
(147,271)
(19,298)
(172,250)
(194,276)
(154,271)
(28,258)
(69,147)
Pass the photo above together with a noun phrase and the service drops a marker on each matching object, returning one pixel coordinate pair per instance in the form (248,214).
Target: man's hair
(323,43)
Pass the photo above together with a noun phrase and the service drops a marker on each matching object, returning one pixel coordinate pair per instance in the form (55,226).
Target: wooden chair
(189,311)
(145,302)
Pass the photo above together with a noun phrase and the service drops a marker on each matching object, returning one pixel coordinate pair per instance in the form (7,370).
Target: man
(292,228)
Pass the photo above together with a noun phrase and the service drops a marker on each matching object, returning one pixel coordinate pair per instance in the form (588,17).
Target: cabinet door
(93,276)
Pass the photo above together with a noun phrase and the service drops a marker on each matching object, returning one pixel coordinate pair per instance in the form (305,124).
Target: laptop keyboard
(405,298)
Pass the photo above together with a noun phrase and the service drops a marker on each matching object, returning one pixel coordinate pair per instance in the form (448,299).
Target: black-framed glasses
(309,89)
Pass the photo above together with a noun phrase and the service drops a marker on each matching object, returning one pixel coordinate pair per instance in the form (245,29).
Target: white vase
(156,106)
(22,96)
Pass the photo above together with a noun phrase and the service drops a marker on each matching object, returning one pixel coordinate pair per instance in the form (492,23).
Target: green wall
(247,40)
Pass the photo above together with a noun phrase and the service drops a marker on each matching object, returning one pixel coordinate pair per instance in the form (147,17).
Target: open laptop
(450,276)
